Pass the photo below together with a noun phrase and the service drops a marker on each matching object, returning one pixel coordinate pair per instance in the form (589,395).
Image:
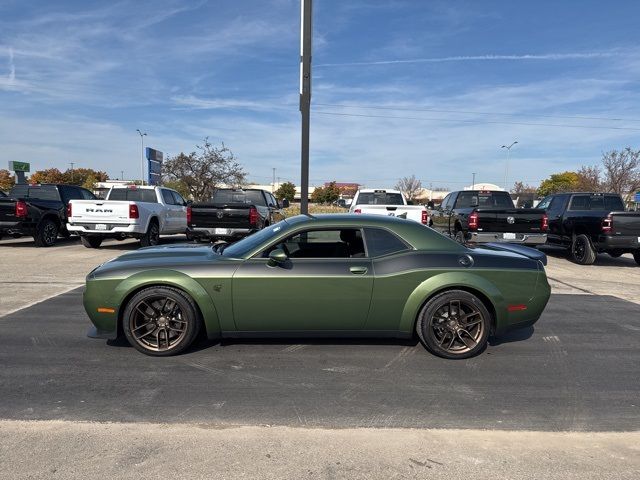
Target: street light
(506,168)
(473,186)
(142,135)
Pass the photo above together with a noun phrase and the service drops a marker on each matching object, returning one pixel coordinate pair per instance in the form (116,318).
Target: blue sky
(430,88)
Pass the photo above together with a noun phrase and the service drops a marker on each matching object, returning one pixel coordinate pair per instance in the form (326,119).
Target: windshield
(376,198)
(239,196)
(484,200)
(247,244)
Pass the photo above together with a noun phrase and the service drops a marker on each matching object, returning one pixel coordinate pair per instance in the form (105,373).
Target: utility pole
(473,185)
(305,99)
(72,164)
(142,135)
(121,174)
(506,168)
(273,185)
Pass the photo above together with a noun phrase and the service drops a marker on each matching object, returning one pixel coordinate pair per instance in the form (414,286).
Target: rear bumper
(201,232)
(498,237)
(619,242)
(20,228)
(113,229)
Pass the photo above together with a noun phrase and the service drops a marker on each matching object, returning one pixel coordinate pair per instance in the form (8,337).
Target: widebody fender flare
(449,281)
(179,280)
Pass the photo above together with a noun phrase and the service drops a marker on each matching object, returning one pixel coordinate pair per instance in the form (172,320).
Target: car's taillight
(189,215)
(357,210)
(21,209)
(253,216)
(425,217)
(474,221)
(607,225)
(133,211)
(545,223)
(69,210)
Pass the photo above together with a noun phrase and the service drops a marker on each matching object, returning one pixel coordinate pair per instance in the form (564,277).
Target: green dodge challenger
(324,275)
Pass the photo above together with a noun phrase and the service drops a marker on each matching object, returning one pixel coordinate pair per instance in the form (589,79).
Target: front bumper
(112,229)
(499,237)
(628,243)
(201,232)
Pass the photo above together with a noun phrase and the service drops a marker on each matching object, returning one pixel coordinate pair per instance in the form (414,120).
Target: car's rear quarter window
(383,242)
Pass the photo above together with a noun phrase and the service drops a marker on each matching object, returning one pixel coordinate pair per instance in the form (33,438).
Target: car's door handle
(358,270)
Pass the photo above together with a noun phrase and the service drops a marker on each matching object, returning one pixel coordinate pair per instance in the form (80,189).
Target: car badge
(511,220)
(219,214)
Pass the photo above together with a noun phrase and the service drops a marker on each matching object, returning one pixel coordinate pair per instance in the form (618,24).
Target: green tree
(204,170)
(559,182)
(318,195)
(84,176)
(6,180)
(178,186)
(49,175)
(287,191)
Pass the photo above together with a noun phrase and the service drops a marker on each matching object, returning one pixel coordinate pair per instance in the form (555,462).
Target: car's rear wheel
(152,236)
(46,233)
(454,324)
(91,241)
(161,321)
(582,251)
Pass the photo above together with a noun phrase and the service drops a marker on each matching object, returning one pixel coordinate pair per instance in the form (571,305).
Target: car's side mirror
(277,257)
(285,203)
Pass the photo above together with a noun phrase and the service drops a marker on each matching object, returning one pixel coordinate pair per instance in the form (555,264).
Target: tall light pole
(506,168)
(305,100)
(473,185)
(273,185)
(142,135)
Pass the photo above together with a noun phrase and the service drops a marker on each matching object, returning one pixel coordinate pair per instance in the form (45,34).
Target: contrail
(472,58)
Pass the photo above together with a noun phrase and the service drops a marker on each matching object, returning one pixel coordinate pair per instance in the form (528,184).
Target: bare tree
(520,187)
(205,170)
(410,187)
(589,179)
(622,171)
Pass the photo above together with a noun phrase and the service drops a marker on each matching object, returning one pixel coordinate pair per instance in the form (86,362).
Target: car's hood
(165,256)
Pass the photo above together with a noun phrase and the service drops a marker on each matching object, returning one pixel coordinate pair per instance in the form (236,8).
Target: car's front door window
(338,243)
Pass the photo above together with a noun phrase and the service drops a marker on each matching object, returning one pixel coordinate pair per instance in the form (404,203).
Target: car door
(172,215)
(325,285)
(181,212)
(274,208)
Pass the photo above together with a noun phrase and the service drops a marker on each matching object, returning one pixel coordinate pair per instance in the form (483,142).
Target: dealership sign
(19,166)
(155,158)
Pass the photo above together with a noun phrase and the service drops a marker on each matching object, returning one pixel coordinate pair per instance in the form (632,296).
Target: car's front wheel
(454,324)
(161,321)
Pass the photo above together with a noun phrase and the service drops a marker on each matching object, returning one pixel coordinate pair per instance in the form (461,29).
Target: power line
(475,121)
(471,112)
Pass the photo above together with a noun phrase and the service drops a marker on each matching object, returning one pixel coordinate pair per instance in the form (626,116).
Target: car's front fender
(448,281)
(177,280)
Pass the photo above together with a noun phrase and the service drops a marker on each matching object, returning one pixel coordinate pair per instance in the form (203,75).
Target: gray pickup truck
(232,214)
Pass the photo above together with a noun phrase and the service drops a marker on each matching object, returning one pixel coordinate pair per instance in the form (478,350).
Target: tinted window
(545,203)
(612,202)
(133,195)
(484,200)
(40,192)
(341,243)
(596,202)
(178,199)
(87,195)
(379,198)
(445,202)
(382,242)
(253,197)
(167,197)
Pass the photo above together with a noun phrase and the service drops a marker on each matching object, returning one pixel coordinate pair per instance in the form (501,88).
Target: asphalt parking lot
(576,371)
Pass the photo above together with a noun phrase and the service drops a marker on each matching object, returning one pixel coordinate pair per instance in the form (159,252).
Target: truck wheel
(152,237)
(636,256)
(46,233)
(91,241)
(615,253)
(460,237)
(582,251)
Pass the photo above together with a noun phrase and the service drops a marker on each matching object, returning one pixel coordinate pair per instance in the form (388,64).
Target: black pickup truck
(232,214)
(591,223)
(483,216)
(39,211)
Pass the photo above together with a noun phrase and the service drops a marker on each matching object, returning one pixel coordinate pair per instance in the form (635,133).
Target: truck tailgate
(216,215)
(100,211)
(516,220)
(625,223)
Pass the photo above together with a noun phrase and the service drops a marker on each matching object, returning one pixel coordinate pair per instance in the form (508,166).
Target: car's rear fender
(133,284)
(449,281)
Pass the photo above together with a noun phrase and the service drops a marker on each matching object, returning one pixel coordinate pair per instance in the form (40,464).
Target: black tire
(582,251)
(160,312)
(91,241)
(615,253)
(460,237)
(46,233)
(636,256)
(152,237)
(454,324)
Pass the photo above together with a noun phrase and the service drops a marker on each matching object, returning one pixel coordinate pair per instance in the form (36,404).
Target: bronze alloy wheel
(160,321)
(454,324)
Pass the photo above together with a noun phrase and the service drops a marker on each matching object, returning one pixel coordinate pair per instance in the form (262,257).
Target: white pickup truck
(387,202)
(129,211)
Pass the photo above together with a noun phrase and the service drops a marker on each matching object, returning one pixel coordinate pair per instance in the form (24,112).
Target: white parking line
(31,304)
